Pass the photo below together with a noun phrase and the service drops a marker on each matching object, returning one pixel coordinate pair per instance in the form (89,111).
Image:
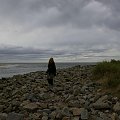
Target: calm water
(8,69)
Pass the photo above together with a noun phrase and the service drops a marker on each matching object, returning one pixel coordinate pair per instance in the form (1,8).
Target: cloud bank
(74,31)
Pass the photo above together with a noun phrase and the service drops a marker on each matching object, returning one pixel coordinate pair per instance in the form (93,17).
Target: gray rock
(44,96)
(44,110)
(83,89)
(9,108)
(82,101)
(114,99)
(102,99)
(70,97)
(15,116)
(87,103)
(75,118)
(91,89)
(31,107)
(101,106)
(89,96)
(1,108)
(31,97)
(114,116)
(103,116)
(116,107)
(119,117)
(66,118)
(76,92)
(52,115)
(45,118)
(3,116)
(65,111)
(76,111)
(59,116)
(73,103)
(99,118)
(84,114)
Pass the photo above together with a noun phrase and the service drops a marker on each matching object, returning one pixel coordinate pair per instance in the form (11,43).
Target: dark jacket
(51,69)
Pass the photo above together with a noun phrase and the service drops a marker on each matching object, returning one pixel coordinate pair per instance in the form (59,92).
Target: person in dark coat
(51,71)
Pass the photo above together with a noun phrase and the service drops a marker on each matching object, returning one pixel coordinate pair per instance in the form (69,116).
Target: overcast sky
(67,30)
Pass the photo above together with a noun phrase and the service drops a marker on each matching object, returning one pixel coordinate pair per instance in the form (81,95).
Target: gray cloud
(113,20)
(41,12)
(51,13)
(61,28)
(16,53)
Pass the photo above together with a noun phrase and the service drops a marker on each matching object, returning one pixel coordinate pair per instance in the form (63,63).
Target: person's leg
(48,81)
(51,82)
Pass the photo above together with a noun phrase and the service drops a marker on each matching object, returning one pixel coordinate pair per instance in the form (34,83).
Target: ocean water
(10,69)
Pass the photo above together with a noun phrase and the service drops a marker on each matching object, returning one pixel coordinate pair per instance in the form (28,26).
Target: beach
(10,69)
(74,97)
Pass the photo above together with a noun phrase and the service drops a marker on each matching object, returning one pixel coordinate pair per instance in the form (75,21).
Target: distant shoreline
(10,69)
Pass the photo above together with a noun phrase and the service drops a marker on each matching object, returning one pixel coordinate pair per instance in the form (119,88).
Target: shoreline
(74,96)
(8,70)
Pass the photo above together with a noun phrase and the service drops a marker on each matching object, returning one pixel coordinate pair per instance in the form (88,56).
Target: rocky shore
(73,97)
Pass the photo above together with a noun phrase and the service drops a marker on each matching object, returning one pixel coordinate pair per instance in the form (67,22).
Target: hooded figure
(51,71)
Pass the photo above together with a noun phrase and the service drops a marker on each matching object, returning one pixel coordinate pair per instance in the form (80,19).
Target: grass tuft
(109,72)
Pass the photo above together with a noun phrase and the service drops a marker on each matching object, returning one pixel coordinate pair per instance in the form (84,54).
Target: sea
(10,69)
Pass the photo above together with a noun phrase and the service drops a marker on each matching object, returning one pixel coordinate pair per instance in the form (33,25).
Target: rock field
(73,97)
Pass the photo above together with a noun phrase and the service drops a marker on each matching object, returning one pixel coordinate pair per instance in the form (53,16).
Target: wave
(8,65)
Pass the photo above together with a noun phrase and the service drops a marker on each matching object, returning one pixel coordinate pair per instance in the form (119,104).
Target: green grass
(109,72)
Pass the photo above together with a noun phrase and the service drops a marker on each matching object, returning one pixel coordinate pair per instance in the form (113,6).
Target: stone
(70,97)
(74,103)
(83,89)
(86,105)
(24,103)
(98,118)
(75,118)
(43,105)
(9,108)
(102,99)
(31,107)
(82,101)
(91,89)
(114,100)
(59,116)
(101,106)
(76,90)
(30,97)
(36,116)
(84,114)
(44,110)
(15,116)
(103,116)
(65,111)
(76,111)
(116,107)
(1,108)
(45,118)
(3,116)
(66,118)
(44,96)
(114,116)
(53,115)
